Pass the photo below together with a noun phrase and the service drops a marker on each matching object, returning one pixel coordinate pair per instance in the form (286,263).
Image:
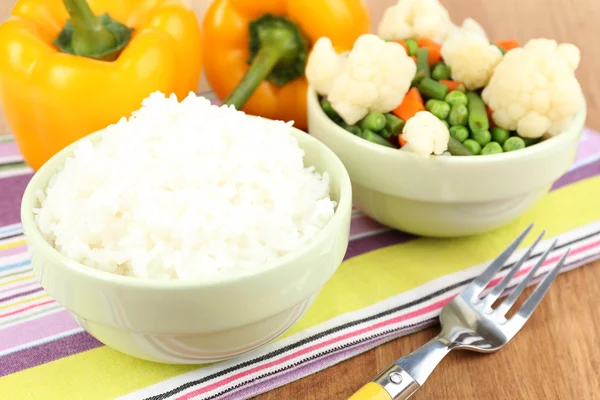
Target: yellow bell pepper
(71,68)
(259,50)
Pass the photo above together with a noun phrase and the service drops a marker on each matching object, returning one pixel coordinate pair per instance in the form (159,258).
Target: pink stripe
(416,313)
(13,251)
(550,260)
(10,288)
(40,328)
(20,310)
(363,224)
(9,149)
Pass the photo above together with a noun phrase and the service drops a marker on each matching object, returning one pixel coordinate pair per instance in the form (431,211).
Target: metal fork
(468,322)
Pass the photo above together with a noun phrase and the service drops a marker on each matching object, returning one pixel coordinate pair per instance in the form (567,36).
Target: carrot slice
(508,45)
(489,113)
(452,85)
(411,104)
(414,58)
(435,49)
(401,141)
(403,43)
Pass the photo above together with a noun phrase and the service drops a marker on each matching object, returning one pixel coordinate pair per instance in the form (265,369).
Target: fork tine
(497,291)
(510,300)
(479,283)
(540,291)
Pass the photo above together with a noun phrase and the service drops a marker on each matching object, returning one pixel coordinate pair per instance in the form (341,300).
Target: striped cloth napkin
(390,284)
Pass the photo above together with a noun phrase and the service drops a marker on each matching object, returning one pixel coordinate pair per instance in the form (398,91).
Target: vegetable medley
(428,86)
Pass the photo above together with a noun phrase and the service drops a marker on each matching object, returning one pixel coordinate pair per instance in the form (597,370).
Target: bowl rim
(375,149)
(33,234)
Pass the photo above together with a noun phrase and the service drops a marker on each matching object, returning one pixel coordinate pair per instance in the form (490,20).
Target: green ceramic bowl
(189,321)
(445,196)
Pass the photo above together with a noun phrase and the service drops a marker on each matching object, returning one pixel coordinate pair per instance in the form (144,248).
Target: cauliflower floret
(415,18)
(323,66)
(470,56)
(425,134)
(470,25)
(375,77)
(534,90)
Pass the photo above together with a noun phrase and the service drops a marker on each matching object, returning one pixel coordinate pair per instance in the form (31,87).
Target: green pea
(491,148)
(482,137)
(459,115)
(445,123)
(514,143)
(473,146)
(460,133)
(374,121)
(499,134)
(456,97)
(441,71)
(439,108)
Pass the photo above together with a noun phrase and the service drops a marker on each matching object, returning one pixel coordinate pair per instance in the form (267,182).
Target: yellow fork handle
(371,391)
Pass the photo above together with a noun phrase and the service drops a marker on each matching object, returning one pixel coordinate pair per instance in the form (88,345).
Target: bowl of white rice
(188,233)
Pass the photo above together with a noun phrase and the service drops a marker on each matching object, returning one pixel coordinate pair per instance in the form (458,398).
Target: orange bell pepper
(258,50)
(65,74)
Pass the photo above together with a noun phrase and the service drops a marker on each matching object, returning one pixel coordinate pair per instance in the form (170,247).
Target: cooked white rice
(184,190)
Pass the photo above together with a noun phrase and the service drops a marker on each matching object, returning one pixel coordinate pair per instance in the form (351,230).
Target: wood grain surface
(557,354)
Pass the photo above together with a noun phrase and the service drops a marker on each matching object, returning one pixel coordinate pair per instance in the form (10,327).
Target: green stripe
(13,167)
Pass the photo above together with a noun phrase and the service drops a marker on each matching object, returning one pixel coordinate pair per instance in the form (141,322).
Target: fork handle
(392,384)
(403,378)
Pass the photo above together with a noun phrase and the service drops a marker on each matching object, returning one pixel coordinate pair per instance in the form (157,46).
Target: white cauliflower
(323,66)
(415,18)
(425,134)
(375,77)
(470,25)
(534,89)
(470,55)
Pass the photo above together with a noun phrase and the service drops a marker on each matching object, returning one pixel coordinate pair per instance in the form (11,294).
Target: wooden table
(557,355)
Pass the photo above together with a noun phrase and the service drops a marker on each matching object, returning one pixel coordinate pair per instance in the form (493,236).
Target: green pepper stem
(277,53)
(90,36)
(266,59)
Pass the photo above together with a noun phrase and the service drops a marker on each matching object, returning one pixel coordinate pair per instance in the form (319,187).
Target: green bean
(441,71)
(456,148)
(478,119)
(353,129)
(514,143)
(491,148)
(432,89)
(439,108)
(374,121)
(394,124)
(499,48)
(385,133)
(482,137)
(473,146)
(499,134)
(459,115)
(423,62)
(456,97)
(460,133)
(329,110)
(412,46)
(374,138)
(530,141)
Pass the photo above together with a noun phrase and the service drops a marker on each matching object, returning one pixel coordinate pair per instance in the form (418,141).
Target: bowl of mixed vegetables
(443,131)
